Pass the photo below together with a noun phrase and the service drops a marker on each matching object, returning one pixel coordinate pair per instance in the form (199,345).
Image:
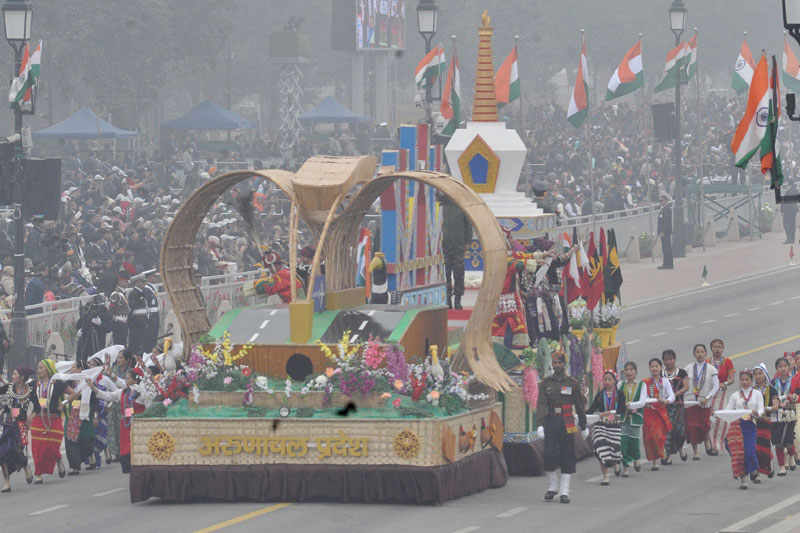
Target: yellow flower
(398,384)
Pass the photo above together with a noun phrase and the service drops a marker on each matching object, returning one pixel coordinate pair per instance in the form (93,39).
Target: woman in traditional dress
(764,423)
(724,367)
(105,383)
(703,385)
(15,402)
(633,392)
(784,425)
(679,381)
(656,420)
(124,361)
(131,402)
(741,437)
(81,421)
(47,428)
(606,435)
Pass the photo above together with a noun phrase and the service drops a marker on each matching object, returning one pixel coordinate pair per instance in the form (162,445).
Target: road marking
(240,519)
(752,519)
(777,303)
(264,324)
(708,321)
(353,338)
(730,315)
(795,297)
(764,347)
(684,327)
(467,529)
(754,308)
(511,512)
(112,491)
(272,313)
(371,313)
(363,325)
(254,337)
(594,479)
(658,334)
(788,524)
(49,509)
(634,341)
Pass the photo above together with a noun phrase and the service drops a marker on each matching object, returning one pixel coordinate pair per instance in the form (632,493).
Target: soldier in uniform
(560,398)
(456,238)
(540,188)
(119,308)
(141,303)
(152,277)
(665,231)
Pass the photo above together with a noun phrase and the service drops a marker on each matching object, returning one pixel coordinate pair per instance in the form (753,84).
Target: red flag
(596,284)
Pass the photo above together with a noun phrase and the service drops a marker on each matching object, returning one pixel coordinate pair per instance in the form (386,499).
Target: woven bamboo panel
(430,325)
(515,412)
(322,178)
(312,399)
(185,439)
(271,359)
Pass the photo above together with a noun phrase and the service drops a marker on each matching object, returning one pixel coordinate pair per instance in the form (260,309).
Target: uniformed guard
(119,308)
(540,188)
(560,398)
(139,324)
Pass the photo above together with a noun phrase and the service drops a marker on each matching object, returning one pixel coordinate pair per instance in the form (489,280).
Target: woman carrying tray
(703,385)
(656,420)
(633,392)
(742,431)
(764,423)
(606,435)
(783,426)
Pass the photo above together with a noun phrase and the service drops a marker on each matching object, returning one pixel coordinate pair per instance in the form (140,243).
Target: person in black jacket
(665,230)
(789,213)
(606,435)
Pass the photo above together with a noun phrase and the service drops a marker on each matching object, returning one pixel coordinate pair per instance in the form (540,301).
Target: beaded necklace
(629,392)
(699,378)
(611,401)
(655,392)
(782,386)
(765,394)
(746,399)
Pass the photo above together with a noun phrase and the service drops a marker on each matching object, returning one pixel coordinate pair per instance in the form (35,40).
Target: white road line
(363,325)
(777,302)
(731,314)
(511,512)
(48,510)
(754,308)
(253,338)
(272,313)
(795,297)
(708,321)
(467,529)
(753,518)
(594,479)
(112,491)
(634,341)
(264,324)
(353,338)
(371,313)
(684,327)
(658,334)
(787,525)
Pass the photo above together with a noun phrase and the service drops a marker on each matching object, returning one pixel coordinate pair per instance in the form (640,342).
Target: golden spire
(484,106)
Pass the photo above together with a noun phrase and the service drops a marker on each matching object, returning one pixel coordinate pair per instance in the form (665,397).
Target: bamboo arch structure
(475,352)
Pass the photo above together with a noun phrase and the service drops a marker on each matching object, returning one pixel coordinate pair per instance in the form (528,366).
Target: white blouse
(756,402)
(710,386)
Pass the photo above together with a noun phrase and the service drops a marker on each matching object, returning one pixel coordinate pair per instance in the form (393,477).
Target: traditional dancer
(656,419)
(742,433)
(47,428)
(15,402)
(81,420)
(703,384)
(764,423)
(606,435)
(559,397)
(679,380)
(635,398)
(726,372)
(783,427)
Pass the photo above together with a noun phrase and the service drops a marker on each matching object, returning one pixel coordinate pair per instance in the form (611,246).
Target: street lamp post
(427,22)
(17,21)
(677,22)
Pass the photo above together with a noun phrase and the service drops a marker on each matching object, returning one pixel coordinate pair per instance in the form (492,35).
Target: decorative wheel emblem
(161,445)
(406,444)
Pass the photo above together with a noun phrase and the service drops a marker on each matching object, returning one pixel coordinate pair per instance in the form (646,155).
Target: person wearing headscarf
(15,404)
(47,428)
(81,414)
(764,423)
(742,432)
(560,398)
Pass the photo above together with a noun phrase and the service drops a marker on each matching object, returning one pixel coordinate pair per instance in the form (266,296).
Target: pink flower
(227,380)
(167,402)
(397,402)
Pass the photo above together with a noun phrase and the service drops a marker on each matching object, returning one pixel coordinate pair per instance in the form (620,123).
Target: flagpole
(647,177)
(700,147)
(518,122)
(589,139)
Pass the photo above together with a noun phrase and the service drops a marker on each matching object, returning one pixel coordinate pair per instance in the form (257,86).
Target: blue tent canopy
(332,112)
(209,116)
(84,124)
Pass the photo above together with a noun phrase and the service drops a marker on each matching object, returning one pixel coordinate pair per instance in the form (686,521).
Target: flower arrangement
(765,216)
(578,314)
(374,354)
(223,353)
(396,365)
(607,316)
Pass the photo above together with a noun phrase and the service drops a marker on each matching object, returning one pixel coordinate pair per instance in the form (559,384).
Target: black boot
(457,304)
(449,302)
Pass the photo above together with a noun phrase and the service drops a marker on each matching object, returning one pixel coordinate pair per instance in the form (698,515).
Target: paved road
(695,497)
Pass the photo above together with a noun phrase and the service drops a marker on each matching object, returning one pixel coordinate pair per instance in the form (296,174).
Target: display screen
(381,24)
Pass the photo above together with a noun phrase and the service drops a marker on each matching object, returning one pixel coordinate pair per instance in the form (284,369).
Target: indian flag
(506,81)
(743,70)
(770,149)
(21,84)
(579,101)
(430,66)
(451,98)
(691,55)
(751,130)
(363,254)
(628,76)
(791,68)
(675,62)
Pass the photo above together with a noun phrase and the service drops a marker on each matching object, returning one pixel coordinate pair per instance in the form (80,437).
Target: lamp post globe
(427,24)
(17,22)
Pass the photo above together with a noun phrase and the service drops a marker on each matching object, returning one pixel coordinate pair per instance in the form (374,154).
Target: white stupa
(488,158)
